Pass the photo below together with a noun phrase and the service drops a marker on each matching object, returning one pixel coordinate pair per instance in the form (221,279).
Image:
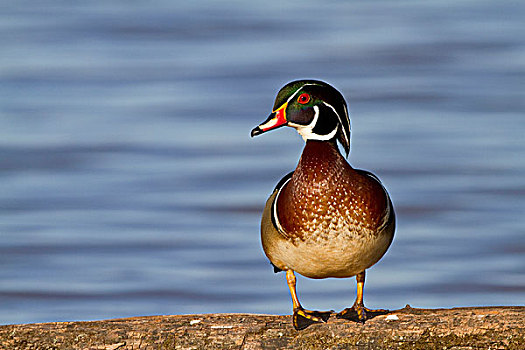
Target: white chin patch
(306,131)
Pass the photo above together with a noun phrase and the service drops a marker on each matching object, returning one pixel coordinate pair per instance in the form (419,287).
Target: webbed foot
(359,313)
(303,318)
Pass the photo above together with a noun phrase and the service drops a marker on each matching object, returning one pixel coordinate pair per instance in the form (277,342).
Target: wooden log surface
(407,328)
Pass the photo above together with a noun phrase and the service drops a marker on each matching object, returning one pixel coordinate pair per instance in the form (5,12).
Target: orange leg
(302,318)
(358,312)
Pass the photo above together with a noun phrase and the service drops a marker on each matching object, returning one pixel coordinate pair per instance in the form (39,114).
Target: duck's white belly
(337,258)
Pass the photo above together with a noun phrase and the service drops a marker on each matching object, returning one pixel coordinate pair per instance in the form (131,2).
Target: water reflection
(130,185)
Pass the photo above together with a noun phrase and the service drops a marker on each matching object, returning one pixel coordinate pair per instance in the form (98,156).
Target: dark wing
(391,214)
(278,188)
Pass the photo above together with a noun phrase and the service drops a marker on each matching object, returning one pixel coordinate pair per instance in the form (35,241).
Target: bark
(407,328)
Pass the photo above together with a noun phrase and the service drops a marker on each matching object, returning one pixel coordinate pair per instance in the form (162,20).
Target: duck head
(314,108)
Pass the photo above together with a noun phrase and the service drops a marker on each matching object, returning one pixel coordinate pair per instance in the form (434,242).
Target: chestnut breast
(326,197)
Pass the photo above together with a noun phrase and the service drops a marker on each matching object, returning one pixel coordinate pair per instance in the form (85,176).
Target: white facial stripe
(297,91)
(347,115)
(340,120)
(306,131)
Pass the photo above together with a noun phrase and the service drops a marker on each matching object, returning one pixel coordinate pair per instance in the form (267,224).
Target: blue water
(129,184)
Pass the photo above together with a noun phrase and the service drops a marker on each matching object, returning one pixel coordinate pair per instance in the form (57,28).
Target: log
(407,328)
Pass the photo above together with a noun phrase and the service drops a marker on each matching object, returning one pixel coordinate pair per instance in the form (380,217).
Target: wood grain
(407,328)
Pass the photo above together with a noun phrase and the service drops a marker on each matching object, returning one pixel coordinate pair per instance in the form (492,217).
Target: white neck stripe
(326,137)
(274,211)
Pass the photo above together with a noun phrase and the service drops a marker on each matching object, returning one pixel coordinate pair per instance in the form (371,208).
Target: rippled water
(130,185)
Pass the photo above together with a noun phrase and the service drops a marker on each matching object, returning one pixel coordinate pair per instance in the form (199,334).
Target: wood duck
(324,219)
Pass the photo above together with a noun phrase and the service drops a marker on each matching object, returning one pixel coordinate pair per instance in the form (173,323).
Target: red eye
(303,98)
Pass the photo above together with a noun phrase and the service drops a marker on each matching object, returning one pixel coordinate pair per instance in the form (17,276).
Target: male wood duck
(325,219)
